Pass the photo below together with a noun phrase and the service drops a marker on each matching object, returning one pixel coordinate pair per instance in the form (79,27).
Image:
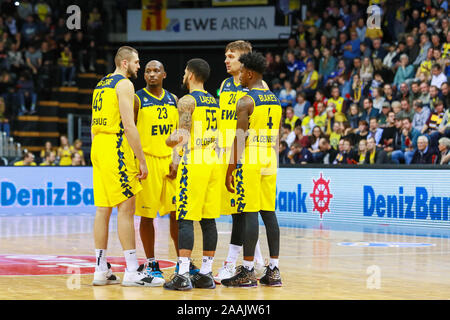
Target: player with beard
(157,117)
(115,143)
(198,177)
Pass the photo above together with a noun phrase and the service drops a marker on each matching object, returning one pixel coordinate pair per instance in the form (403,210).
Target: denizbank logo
(72,194)
(419,204)
(320,196)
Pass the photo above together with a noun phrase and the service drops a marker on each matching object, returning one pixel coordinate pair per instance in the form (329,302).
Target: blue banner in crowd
(401,197)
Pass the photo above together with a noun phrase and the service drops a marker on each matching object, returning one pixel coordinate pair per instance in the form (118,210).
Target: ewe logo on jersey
(30,264)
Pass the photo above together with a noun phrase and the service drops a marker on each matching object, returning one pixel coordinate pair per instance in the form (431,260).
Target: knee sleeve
(238,229)
(251,233)
(185,234)
(209,231)
(272,232)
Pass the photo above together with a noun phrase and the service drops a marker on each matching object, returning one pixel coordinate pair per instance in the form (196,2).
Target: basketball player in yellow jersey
(197,178)
(230,92)
(115,143)
(254,158)
(157,118)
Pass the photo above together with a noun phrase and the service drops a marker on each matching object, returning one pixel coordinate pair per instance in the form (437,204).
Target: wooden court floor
(313,264)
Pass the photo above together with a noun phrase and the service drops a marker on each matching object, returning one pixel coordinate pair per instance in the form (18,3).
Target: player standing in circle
(254,158)
(115,143)
(230,92)
(157,118)
(198,178)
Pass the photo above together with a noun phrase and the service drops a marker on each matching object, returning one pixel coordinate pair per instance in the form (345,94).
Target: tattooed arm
(186,106)
(244,108)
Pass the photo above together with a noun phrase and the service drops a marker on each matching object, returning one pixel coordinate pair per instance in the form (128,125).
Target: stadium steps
(51,119)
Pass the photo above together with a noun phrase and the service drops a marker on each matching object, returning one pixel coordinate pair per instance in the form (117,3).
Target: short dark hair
(200,69)
(254,61)
(287,126)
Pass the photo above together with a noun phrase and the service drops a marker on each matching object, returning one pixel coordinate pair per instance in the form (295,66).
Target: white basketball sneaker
(227,271)
(140,278)
(103,278)
(260,270)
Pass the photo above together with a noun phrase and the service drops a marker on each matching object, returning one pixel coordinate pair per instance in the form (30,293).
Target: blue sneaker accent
(153,270)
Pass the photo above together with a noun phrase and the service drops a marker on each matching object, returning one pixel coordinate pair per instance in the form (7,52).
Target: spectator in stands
(409,143)
(67,67)
(387,136)
(28,160)
(363,130)
(444,151)
(308,122)
(76,148)
(310,80)
(404,72)
(415,92)
(424,94)
(423,154)
(346,154)
(42,10)
(293,48)
(314,139)
(283,153)
(287,95)
(321,118)
(435,96)
(382,116)
(354,116)
(49,159)
(438,77)
(302,105)
(26,92)
(327,65)
(423,72)
(369,111)
(351,48)
(25,9)
(329,153)
(299,154)
(337,99)
(29,30)
(33,59)
(374,154)
(291,118)
(424,45)
(412,49)
(421,115)
(377,98)
(4,65)
(445,94)
(366,71)
(48,148)
(84,52)
(15,58)
(299,137)
(319,97)
(374,130)
(64,154)
(294,69)
(362,149)
(396,107)
(431,127)
(4,122)
(76,159)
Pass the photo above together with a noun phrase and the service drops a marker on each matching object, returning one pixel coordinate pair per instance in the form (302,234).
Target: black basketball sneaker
(243,278)
(181,282)
(272,277)
(203,281)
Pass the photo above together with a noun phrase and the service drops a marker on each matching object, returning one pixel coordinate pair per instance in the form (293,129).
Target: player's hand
(173,168)
(229,181)
(143,171)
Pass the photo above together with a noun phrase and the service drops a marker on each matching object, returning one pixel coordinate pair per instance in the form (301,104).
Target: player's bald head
(124,53)
(155,63)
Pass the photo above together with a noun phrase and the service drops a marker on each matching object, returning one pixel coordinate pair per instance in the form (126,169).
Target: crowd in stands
(358,95)
(64,155)
(38,52)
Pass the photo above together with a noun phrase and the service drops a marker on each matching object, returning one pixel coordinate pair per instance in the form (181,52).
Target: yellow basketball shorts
(256,183)
(228,200)
(114,170)
(198,188)
(158,194)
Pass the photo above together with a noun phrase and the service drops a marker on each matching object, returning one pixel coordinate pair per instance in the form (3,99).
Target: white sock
(183,263)
(150,260)
(206,265)
(258,256)
(248,264)
(273,263)
(233,253)
(131,260)
(100,255)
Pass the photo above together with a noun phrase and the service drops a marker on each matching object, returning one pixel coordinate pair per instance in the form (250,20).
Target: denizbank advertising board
(206,24)
(381,196)
(401,197)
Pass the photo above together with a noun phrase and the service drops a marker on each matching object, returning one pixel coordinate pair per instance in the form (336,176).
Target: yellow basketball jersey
(264,122)
(105,106)
(157,119)
(204,121)
(229,95)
